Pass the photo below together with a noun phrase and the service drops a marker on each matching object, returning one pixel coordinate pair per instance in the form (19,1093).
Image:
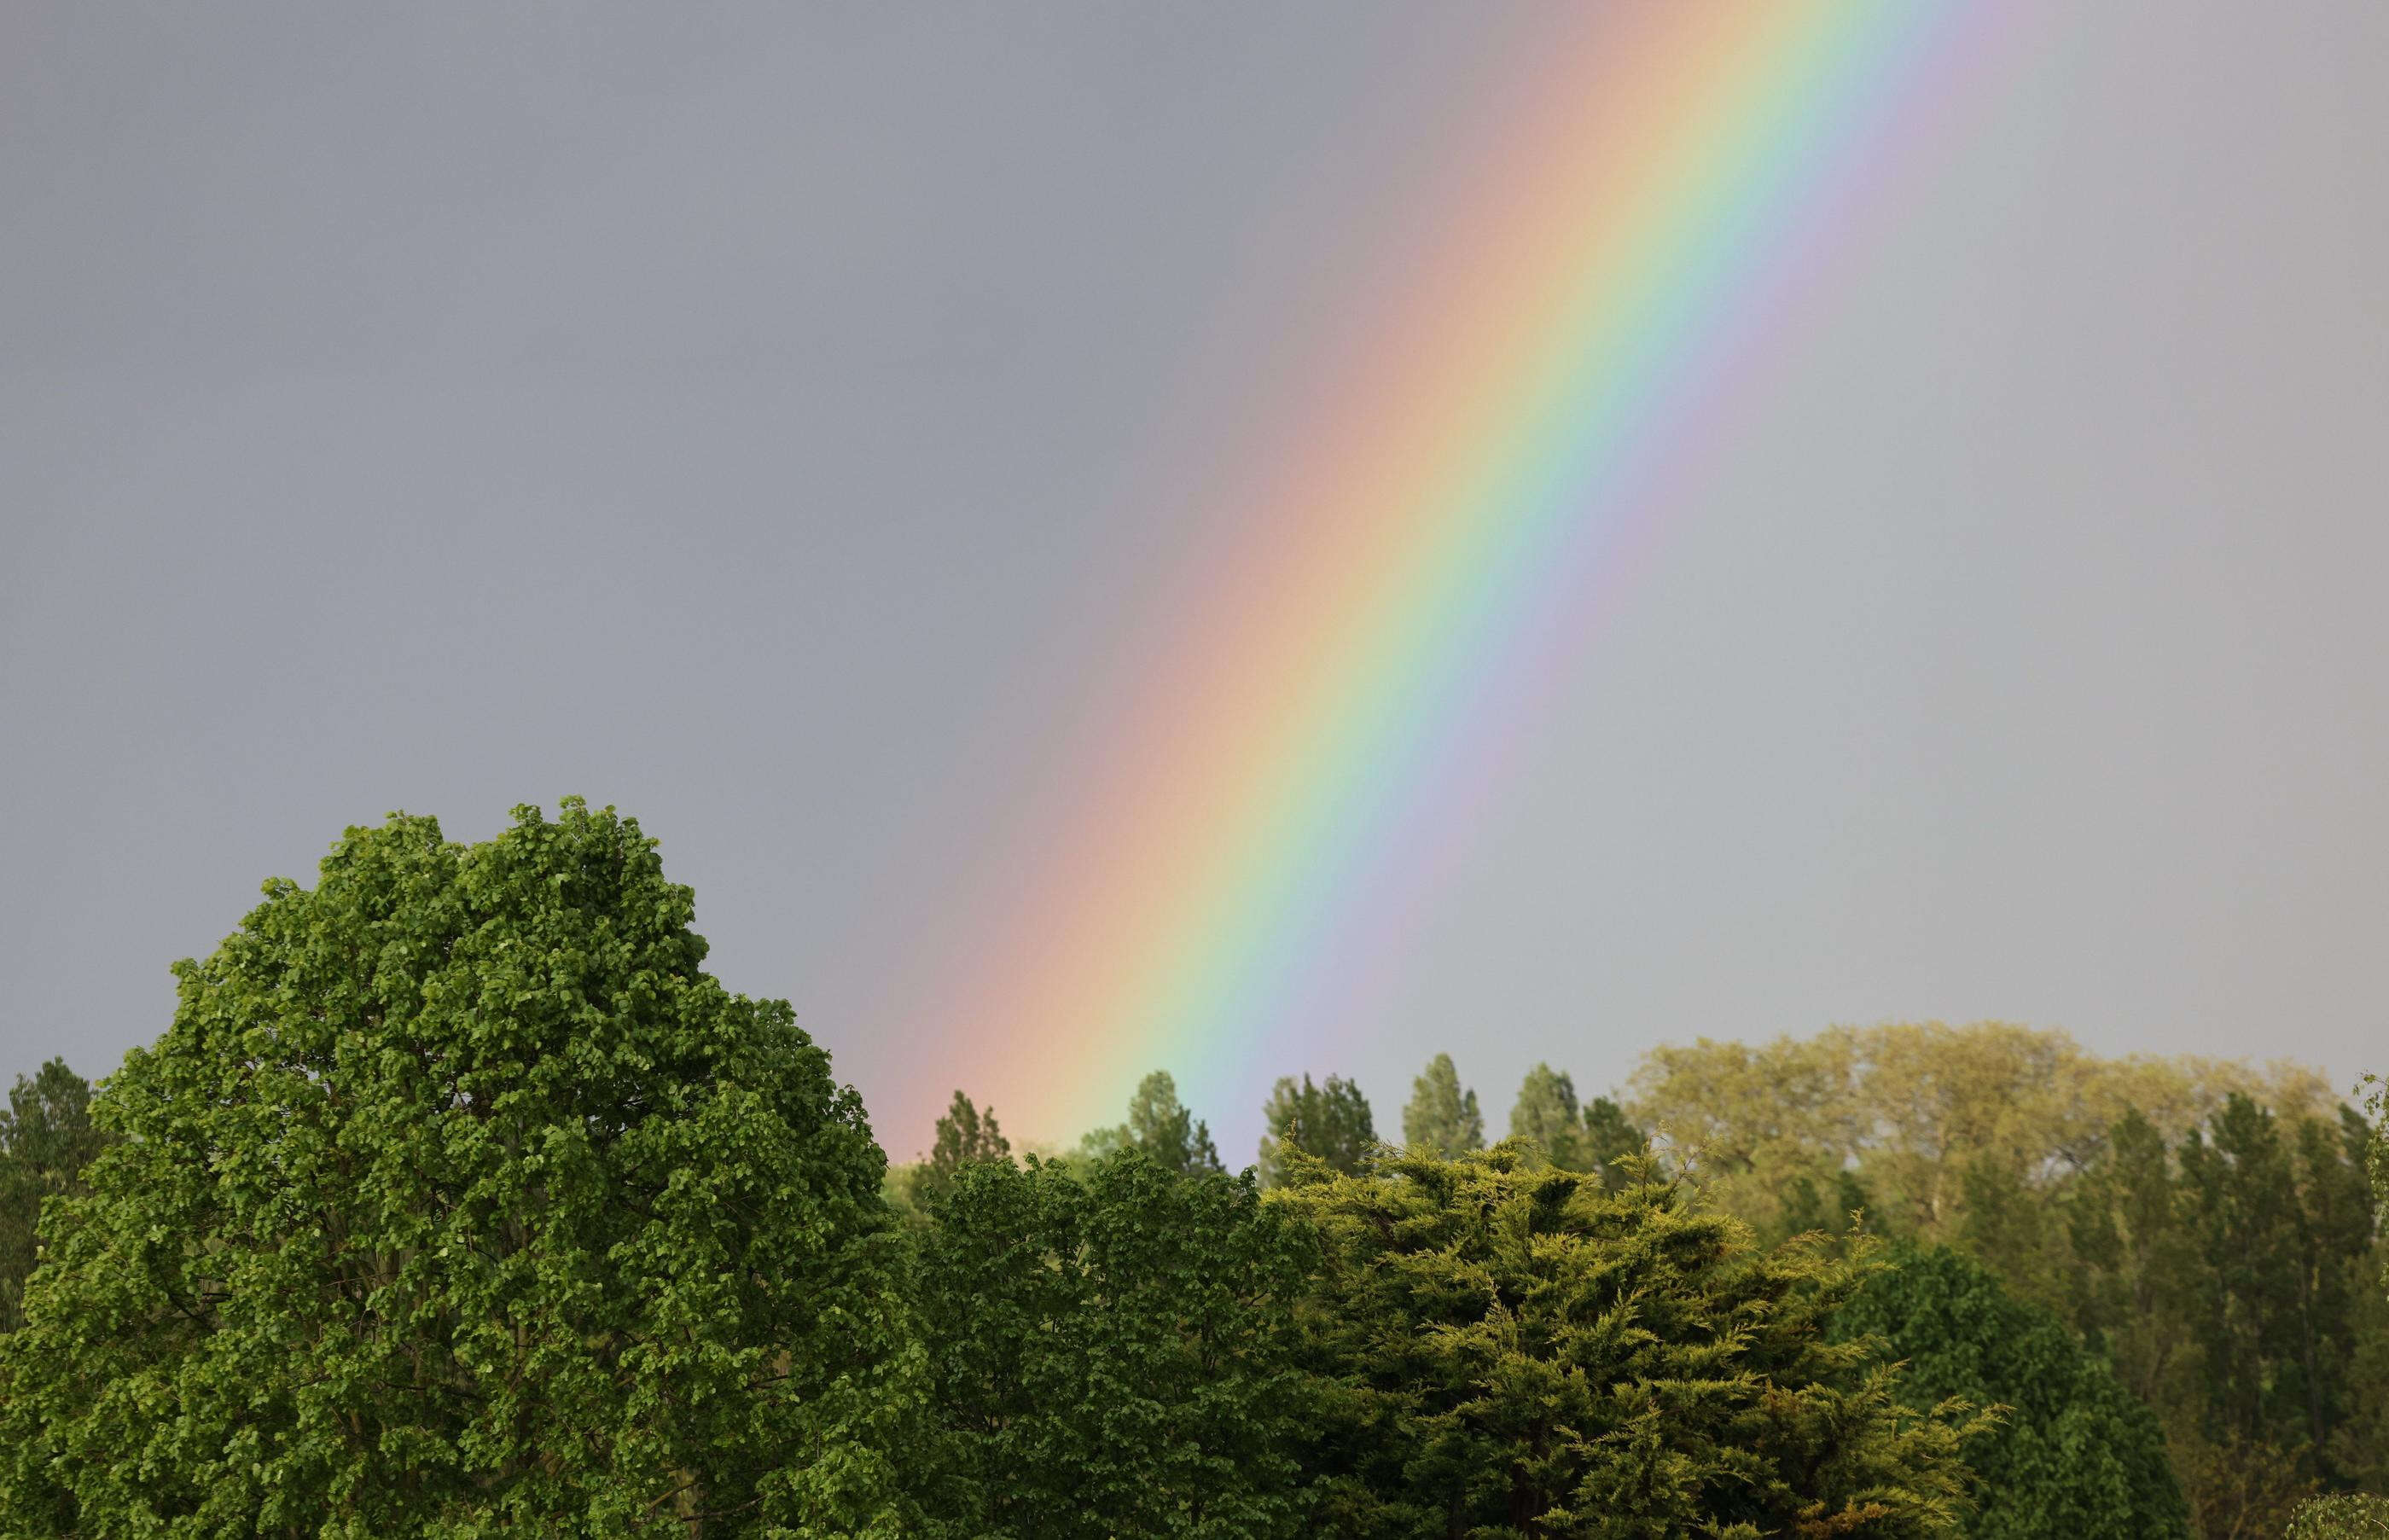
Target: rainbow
(1663,184)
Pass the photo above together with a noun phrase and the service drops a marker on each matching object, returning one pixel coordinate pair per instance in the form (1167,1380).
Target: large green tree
(2076,1453)
(1508,1350)
(1329,1123)
(47,1139)
(1440,1115)
(458,1198)
(1109,1356)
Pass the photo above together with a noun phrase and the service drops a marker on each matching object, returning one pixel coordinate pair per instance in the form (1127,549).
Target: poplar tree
(1546,1111)
(966,1133)
(1160,1126)
(1109,1356)
(46,1139)
(1441,1117)
(457,1198)
(1329,1123)
(1573,1137)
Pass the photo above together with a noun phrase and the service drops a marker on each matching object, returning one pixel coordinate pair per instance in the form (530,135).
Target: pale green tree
(1546,1111)
(1590,1136)
(1442,1116)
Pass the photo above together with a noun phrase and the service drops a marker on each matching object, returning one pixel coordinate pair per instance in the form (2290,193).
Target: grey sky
(739,415)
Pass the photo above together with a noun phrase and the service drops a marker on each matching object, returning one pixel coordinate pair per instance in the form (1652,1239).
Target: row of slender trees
(457,1197)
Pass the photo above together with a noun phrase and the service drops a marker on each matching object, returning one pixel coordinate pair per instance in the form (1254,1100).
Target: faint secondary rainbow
(1437,535)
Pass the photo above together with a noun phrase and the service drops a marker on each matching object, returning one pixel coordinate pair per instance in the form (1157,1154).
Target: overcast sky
(747,416)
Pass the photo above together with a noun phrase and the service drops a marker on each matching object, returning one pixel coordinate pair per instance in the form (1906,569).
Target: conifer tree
(1505,1348)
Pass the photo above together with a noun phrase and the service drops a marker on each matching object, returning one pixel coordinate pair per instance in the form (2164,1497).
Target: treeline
(457,1198)
(2202,1229)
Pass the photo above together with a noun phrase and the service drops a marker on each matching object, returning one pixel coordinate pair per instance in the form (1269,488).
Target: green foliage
(1590,1137)
(1110,1357)
(1160,1127)
(46,1139)
(1609,1139)
(2230,1279)
(1915,1109)
(2376,1156)
(1546,1111)
(966,1134)
(1328,1123)
(2076,1454)
(2351,1516)
(458,1198)
(1506,1349)
(2275,1294)
(1440,1115)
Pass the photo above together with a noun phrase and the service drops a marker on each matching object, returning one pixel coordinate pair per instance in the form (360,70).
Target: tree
(1161,1127)
(46,1139)
(1109,1356)
(2076,1453)
(1609,1139)
(2228,1280)
(458,1198)
(1503,1347)
(1575,1138)
(1914,1108)
(1330,1123)
(965,1134)
(2351,1516)
(1441,1117)
(2376,1147)
(1546,1111)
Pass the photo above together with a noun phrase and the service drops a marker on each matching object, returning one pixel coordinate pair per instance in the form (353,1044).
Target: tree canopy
(47,1139)
(1586,1138)
(1505,1348)
(1159,1124)
(2076,1453)
(1109,1356)
(458,1198)
(1328,1123)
